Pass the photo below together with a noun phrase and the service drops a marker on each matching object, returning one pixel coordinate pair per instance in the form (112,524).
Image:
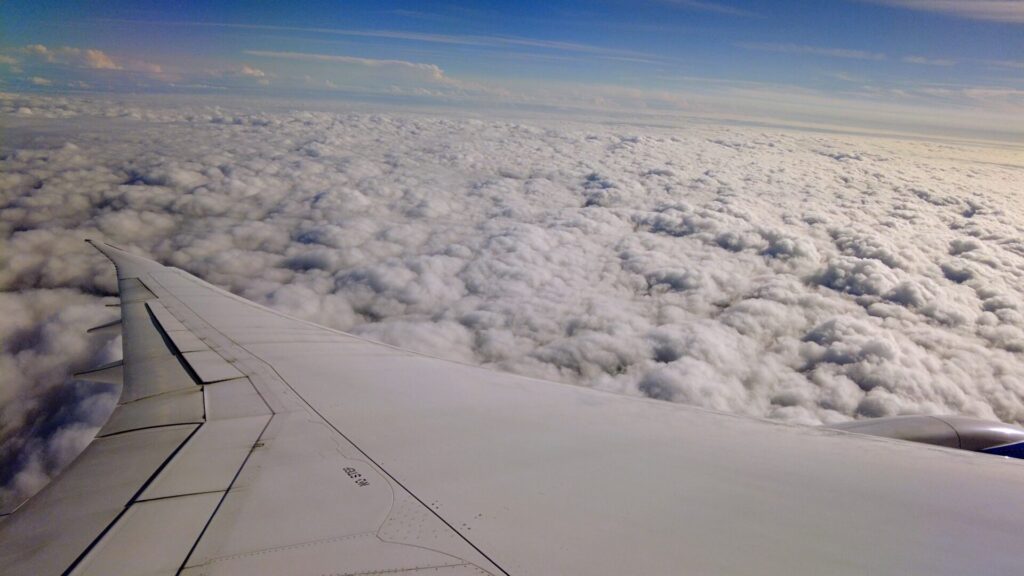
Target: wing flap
(211,367)
(233,399)
(186,341)
(211,459)
(51,530)
(167,321)
(179,407)
(151,538)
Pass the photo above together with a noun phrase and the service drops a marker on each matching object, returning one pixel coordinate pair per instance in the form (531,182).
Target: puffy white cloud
(45,419)
(252,72)
(85,61)
(386,76)
(799,276)
(99,60)
(84,57)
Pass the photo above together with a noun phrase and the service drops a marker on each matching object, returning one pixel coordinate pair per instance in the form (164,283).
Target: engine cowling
(960,432)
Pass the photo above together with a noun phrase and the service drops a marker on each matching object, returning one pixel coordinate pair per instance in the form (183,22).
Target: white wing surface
(249,442)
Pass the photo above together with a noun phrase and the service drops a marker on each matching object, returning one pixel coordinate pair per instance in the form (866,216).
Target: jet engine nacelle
(952,431)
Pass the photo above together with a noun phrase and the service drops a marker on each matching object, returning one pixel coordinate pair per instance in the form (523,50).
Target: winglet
(128,265)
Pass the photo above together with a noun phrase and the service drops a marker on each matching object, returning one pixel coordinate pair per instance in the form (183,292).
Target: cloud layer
(803,277)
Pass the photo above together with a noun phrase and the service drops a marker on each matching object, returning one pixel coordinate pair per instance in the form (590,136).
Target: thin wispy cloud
(451,39)
(714,7)
(416,14)
(1018,64)
(928,61)
(846,77)
(369,62)
(813,50)
(992,10)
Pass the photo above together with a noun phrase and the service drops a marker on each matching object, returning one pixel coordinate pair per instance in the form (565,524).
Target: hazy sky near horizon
(940,66)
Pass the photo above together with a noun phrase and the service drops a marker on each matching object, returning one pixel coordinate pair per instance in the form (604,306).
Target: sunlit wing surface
(248,442)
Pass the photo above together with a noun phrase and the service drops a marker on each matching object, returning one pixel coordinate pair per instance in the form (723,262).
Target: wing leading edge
(311,451)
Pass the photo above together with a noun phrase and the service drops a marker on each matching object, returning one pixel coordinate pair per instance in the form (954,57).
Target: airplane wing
(249,442)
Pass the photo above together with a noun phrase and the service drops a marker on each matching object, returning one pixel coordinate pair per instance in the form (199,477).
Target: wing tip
(128,265)
(99,246)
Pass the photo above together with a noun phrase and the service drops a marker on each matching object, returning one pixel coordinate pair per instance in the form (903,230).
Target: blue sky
(926,65)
